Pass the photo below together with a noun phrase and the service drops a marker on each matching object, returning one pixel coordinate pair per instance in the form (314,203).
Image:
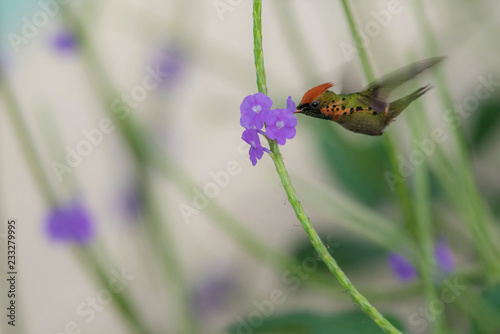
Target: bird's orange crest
(314,92)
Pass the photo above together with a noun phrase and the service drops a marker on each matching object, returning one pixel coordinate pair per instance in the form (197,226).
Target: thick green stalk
(318,245)
(258,52)
(402,189)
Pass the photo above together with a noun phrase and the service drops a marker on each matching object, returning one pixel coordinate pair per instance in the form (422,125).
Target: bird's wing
(380,89)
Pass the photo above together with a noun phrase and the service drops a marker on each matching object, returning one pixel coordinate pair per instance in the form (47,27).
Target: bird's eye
(315,104)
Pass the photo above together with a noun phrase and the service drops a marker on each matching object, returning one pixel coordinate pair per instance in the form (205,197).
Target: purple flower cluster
(405,271)
(70,223)
(255,113)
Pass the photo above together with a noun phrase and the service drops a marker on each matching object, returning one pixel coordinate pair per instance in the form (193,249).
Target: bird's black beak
(299,108)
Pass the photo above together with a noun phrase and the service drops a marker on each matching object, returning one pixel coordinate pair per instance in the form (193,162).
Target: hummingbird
(368,111)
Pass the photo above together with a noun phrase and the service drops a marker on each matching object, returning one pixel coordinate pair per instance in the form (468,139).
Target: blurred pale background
(194,120)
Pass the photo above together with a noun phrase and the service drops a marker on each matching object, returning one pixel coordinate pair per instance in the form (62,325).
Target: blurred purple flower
(254,110)
(443,255)
(70,223)
(171,63)
(65,41)
(256,150)
(132,201)
(281,123)
(402,267)
(209,297)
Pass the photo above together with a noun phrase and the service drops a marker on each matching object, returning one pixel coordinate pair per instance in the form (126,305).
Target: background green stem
(477,218)
(425,233)
(401,187)
(27,143)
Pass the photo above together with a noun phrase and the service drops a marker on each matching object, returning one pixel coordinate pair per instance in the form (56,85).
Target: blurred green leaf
(490,297)
(486,122)
(350,253)
(359,168)
(353,322)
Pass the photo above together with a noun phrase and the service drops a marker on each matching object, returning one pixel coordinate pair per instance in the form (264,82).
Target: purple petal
(250,135)
(253,158)
(272,132)
(256,150)
(264,114)
(289,133)
(251,101)
(281,138)
(444,256)
(263,100)
(290,105)
(402,267)
(291,120)
(251,120)
(255,154)
(247,104)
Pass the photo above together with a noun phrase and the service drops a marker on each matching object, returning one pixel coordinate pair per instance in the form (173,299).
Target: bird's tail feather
(396,107)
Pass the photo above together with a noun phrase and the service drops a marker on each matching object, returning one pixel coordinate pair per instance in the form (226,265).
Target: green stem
(120,298)
(402,189)
(363,55)
(27,144)
(424,220)
(164,244)
(294,37)
(330,262)
(318,245)
(474,209)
